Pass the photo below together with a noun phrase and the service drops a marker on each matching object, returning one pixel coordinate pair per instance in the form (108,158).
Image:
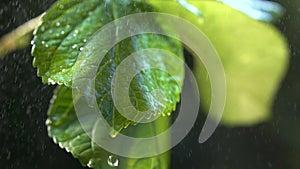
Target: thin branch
(18,38)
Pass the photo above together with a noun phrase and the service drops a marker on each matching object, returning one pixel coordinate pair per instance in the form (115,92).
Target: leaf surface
(65,129)
(65,30)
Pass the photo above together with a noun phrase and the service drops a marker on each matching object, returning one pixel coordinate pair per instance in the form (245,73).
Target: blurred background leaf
(254,55)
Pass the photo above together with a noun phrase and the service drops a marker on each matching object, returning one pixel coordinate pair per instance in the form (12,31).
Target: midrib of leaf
(115,16)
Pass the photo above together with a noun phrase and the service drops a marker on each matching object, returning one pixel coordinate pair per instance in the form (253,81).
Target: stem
(18,38)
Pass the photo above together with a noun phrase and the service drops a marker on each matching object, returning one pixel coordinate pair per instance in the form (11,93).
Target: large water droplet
(112,161)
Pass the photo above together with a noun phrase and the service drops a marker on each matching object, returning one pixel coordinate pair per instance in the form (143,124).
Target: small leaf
(65,129)
(254,56)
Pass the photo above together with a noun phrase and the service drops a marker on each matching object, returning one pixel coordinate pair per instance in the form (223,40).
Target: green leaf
(56,53)
(254,55)
(65,129)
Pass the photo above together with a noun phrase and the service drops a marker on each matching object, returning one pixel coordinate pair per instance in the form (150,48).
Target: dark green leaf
(65,129)
(56,53)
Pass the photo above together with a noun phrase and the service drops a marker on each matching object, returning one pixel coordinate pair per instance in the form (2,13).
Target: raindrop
(68,26)
(62,32)
(57,24)
(51,81)
(81,49)
(84,40)
(113,133)
(74,46)
(48,121)
(43,42)
(74,34)
(8,156)
(76,31)
(112,161)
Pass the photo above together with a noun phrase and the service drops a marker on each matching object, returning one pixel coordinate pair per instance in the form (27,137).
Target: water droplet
(32,42)
(81,49)
(74,46)
(74,34)
(48,122)
(113,133)
(61,145)
(57,24)
(61,6)
(112,161)
(68,26)
(46,45)
(8,155)
(67,149)
(90,13)
(51,81)
(62,32)
(84,40)
(76,31)
(42,28)
(43,42)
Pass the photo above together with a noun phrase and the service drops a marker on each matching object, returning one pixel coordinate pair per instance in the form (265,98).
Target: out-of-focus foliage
(254,55)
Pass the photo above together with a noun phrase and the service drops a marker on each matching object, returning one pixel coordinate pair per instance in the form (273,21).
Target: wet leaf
(55,62)
(65,129)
